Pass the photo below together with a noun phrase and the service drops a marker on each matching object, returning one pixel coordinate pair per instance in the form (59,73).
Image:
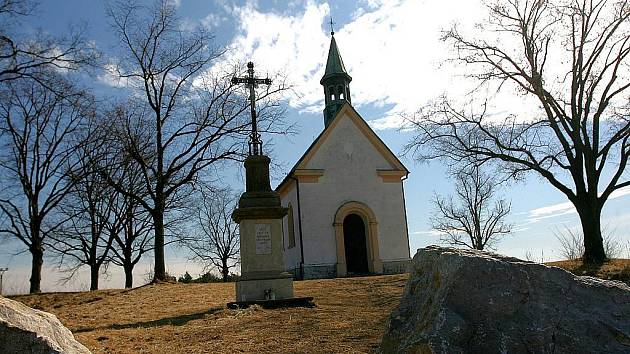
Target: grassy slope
(191,318)
(614,269)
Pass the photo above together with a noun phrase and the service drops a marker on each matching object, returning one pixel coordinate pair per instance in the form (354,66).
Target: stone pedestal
(259,216)
(262,262)
(264,289)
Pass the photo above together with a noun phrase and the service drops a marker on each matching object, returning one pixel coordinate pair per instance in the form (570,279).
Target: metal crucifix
(255,144)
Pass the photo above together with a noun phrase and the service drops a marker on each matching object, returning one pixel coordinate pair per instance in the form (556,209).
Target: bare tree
(475,218)
(24,57)
(196,119)
(217,244)
(134,237)
(572,58)
(83,237)
(37,129)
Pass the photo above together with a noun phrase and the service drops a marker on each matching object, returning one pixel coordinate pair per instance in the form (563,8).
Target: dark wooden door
(355,244)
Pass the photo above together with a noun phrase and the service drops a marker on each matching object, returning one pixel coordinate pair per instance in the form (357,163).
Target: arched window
(341,93)
(331,91)
(291,227)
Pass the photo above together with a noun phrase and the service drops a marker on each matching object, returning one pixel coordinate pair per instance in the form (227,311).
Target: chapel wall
(292,256)
(351,162)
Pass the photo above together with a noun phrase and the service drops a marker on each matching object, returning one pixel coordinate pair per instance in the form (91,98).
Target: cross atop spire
(332,29)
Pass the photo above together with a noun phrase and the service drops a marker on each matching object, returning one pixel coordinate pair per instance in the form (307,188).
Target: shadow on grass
(167,321)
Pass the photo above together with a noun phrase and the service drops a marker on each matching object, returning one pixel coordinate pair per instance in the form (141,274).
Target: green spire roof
(334,64)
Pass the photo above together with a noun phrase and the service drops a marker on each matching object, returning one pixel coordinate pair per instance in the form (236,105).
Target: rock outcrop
(25,330)
(463,301)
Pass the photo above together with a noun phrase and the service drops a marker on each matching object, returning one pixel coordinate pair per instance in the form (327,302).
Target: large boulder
(25,330)
(464,301)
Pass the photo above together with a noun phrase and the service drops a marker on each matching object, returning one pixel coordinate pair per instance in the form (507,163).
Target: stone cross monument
(259,215)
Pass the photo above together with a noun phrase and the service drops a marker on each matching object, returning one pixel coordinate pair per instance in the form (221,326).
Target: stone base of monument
(276,288)
(268,290)
(274,304)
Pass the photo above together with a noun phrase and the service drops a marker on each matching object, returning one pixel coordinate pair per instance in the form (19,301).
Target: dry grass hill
(615,269)
(192,318)
(350,316)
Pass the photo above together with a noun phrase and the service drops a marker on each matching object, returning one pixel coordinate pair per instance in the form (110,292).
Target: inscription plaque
(263,238)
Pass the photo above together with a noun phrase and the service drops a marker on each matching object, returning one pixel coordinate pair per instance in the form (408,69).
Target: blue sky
(392,51)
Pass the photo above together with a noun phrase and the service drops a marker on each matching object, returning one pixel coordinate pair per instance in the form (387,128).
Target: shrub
(572,243)
(210,277)
(186,278)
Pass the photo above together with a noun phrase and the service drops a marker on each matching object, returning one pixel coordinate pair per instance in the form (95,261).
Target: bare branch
(472,219)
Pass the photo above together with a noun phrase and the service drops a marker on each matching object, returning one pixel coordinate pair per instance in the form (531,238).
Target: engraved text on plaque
(263,238)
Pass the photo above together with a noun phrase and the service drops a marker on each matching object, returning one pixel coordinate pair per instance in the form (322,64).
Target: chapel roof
(334,63)
(375,139)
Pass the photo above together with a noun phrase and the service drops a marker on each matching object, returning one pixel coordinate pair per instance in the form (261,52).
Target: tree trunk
(128,276)
(590,217)
(94,277)
(225,270)
(37,253)
(128,265)
(159,268)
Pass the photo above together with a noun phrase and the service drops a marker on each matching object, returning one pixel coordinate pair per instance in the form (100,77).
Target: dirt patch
(349,317)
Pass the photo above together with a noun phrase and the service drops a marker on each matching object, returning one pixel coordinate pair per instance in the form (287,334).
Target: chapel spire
(336,81)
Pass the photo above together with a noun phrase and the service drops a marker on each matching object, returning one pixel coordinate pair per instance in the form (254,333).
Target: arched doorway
(355,244)
(358,212)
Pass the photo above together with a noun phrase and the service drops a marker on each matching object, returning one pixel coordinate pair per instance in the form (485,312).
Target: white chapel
(345,195)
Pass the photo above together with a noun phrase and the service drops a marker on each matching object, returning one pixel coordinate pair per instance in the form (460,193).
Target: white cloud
(276,43)
(391,49)
(551,209)
(212,20)
(619,193)
(565,208)
(428,233)
(109,76)
(520,229)
(390,121)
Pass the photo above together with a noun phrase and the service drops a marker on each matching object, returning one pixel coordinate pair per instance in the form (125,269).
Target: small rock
(465,301)
(25,330)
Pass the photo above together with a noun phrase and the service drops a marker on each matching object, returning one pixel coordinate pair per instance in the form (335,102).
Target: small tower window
(331,91)
(341,93)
